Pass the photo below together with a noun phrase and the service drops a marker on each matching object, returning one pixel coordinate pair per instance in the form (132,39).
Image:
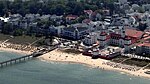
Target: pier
(27,57)
(15,60)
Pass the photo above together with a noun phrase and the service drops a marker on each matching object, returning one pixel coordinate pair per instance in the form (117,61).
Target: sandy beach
(60,56)
(15,51)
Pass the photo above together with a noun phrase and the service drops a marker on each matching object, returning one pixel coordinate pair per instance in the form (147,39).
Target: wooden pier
(15,60)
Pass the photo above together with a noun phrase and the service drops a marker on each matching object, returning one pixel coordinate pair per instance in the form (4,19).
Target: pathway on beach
(35,42)
(145,67)
(32,43)
(125,60)
(4,42)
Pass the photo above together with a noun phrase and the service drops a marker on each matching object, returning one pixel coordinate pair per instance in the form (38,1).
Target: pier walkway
(27,57)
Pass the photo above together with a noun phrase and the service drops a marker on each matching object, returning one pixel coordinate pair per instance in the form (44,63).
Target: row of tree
(58,7)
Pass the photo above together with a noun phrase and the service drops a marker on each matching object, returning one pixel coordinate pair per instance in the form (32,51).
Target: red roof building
(88,12)
(71,17)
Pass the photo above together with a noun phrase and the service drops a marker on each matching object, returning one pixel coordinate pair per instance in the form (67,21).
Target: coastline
(59,56)
(15,51)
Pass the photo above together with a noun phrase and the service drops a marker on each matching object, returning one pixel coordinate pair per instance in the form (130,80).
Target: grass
(4,37)
(119,59)
(136,62)
(25,40)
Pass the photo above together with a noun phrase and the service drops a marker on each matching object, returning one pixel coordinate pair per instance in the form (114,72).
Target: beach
(17,48)
(60,56)
(15,51)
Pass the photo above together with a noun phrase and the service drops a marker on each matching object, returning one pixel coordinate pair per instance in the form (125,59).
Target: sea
(42,72)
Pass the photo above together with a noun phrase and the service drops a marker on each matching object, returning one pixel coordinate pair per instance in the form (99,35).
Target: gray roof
(72,29)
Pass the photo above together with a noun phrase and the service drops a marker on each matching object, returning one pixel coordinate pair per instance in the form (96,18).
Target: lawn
(136,62)
(119,59)
(4,37)
(26,40)
(23,40)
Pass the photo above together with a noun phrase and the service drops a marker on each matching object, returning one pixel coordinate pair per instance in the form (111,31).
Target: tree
(142,26)
(78,9)
(18,32)
(81,18)
(60,9)
(7,29)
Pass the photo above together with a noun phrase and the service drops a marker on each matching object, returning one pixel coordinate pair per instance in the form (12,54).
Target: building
(74,33)
(146,7)
(143,48)
(71,18)
(90,39)
(117,36)
(122,1)
(56,30)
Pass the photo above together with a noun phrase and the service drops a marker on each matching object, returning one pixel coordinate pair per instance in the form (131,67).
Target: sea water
(42,72)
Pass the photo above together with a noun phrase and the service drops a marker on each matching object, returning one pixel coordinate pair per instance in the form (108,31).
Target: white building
(90,39)
(118,36)
(122,1)
(146,7)
(74,32)
(143,48)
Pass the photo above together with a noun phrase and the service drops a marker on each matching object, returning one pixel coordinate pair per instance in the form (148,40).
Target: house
(146,7)
(56,30)
(118,36)
(55,17)
(74,33)
(45,17)
(32,17)
(88,13)
(86,21)
(90,39)
(15,19)
(23,24)
(143,48)
(122,1)
(4,19)
(71,18)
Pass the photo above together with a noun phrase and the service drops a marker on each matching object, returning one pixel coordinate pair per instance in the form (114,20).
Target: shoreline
(15,51)
(59,56)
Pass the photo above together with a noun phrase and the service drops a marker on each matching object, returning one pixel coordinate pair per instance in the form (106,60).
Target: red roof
(144,44)
(94,13)
(127,38)
(134,33)
(103,34)
(88,11)
(72,17)
(86,21)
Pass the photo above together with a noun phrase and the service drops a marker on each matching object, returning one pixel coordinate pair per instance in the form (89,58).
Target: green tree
(18,32)
(7,29)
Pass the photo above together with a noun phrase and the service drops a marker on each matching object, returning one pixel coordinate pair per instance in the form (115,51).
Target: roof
(103,33)
(127,38)
(72,29)
(86,21)
(70,17)
(134,33)
(144,44)
(88,11)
